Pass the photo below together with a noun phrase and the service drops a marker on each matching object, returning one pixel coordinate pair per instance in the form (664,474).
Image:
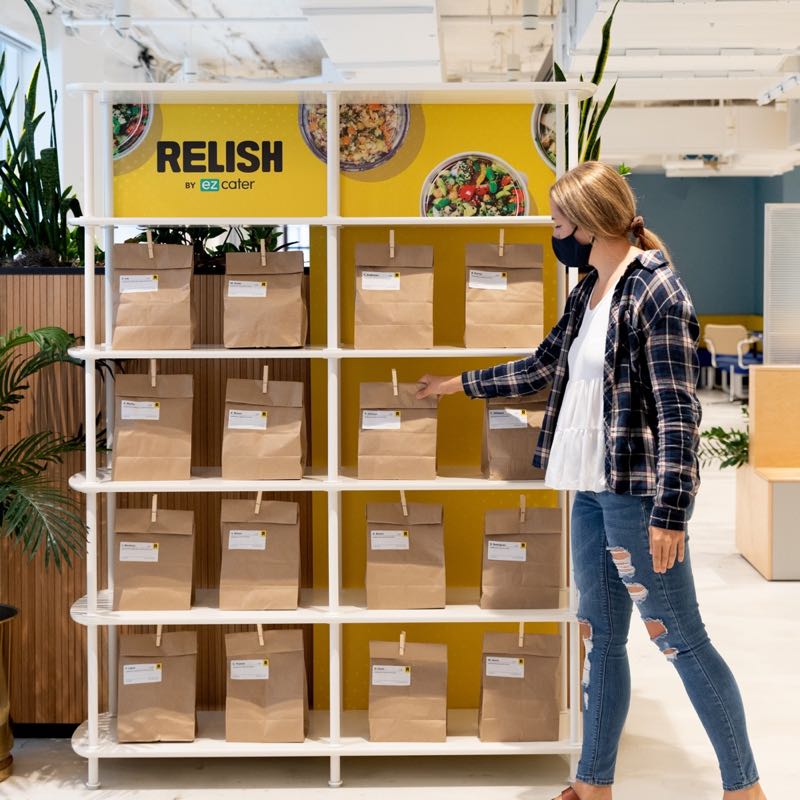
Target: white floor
(665,753)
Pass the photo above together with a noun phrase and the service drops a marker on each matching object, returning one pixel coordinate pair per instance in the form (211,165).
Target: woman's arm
(525,376)
(671,358)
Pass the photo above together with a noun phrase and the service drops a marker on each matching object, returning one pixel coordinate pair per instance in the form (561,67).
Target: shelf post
(333,210)
(335,779)
(572,146)
(93,684)
(106,144)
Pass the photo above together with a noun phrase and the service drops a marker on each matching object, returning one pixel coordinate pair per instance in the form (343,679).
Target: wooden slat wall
(56,691)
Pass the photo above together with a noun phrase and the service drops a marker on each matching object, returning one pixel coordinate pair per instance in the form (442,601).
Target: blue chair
(726,344)
(707,369)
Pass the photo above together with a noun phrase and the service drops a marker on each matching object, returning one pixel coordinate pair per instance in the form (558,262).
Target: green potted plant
(728,446)
(591,117)
(35,512)
(34,208)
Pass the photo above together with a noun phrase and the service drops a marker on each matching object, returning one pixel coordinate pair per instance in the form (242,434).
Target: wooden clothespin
(257,509)
(391,242)
(263,245)
(402,642)
(501,245)
(153,373)
(154,508)
(395,390)
(265,379)
(260,631)
(148,235)
(158,635)
(403,502)
(521,639)
(522,508)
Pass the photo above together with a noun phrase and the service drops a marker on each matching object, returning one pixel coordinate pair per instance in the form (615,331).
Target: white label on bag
(483,279)
(389,540)
(380,281)
(499,667)
(140,409)
(503,418)
(138,551)
(247,419)
(379,420)
(507,551)
(249,669)
(239,539)
(129,284)
(390,675)
(141,673)
(247,288)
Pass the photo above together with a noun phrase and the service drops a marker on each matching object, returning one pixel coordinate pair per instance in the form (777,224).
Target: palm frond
(37,515)
(33,453)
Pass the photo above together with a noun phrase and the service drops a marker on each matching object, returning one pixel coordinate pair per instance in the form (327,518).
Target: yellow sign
(269,160)
(217,160)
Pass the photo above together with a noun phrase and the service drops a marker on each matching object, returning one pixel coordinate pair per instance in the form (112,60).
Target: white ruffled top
(577,455)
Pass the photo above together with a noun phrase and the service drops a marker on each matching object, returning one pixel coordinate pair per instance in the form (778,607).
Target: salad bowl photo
(474,184)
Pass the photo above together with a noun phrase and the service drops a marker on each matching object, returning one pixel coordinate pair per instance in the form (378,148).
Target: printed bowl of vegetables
(543,128)
(474,185)
(130,123)
(369,133)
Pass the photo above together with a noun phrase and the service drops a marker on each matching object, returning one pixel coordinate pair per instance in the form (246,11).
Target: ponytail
(647,239)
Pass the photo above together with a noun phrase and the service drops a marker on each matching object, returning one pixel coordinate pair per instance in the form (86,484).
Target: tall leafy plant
(592,113)
(33,511)
(33,206)
(729,446)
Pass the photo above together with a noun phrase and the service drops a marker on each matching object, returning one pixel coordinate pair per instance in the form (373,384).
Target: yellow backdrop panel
(459,444)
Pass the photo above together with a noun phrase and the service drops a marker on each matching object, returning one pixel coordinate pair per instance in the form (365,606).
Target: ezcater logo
(222,157)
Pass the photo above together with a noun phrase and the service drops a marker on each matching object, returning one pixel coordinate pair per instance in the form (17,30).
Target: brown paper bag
(408,693)
(153,560)
(397,435)
(521,560)
(504,299)
(264,305)
(156,687)
(511,428)
(520,688)
(260,555)
(394,296)
(405,556)
(267,690)
(152,297)
(264,434)
(153,436)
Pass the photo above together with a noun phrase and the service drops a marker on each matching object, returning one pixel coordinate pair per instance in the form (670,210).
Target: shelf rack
(334,733)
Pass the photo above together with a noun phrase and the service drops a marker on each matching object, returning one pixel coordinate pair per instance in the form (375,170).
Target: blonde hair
(596,197)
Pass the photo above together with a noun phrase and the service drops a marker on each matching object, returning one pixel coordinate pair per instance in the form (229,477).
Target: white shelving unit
(334,733)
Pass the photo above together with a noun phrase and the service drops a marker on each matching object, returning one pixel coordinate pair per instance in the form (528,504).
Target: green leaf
(590,145)
(51,95)
(37,515)
(605,46)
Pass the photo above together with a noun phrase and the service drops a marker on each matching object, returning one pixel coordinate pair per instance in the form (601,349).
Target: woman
(621,430)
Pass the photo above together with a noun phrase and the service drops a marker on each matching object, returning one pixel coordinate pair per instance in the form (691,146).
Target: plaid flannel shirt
(651,414)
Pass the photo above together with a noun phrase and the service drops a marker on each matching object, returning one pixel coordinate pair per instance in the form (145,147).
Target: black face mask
(570,252)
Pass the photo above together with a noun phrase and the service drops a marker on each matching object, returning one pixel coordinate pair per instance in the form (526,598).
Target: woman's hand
(438,385)
(665,546)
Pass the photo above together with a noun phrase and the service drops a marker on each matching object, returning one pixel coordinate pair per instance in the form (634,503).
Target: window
(14,51)
(299,238)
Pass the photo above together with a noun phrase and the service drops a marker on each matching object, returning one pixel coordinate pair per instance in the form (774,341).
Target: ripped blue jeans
(613,570)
